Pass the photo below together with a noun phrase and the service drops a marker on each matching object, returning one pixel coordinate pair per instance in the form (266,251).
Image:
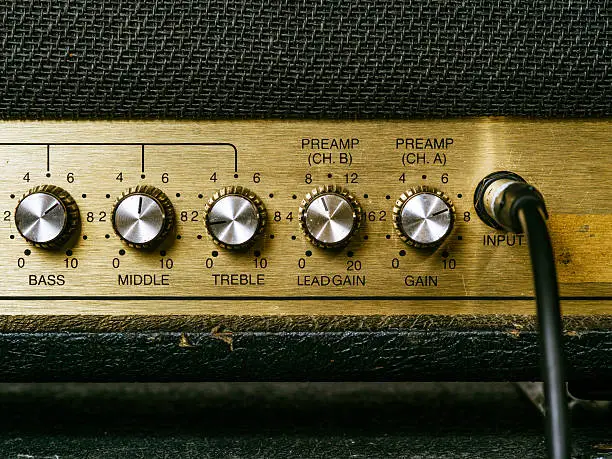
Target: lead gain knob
(423,216)
(329,216)
(234,217)
(47,216)
(143,217)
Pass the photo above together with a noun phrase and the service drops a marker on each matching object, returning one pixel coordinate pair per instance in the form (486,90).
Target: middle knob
(143,217)
(329,215)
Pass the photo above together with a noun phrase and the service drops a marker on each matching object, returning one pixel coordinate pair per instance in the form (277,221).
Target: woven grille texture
(304,58)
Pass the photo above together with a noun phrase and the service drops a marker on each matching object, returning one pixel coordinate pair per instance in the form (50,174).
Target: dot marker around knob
(47,216)
(329,216)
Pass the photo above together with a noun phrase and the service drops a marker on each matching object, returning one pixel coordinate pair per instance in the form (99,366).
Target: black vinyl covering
(469,355)
(304,59)
(284,420)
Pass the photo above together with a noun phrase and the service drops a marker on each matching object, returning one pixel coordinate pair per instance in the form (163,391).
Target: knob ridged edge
(404,198)
(330,189)
(236,190)
(162,199)
(71,209)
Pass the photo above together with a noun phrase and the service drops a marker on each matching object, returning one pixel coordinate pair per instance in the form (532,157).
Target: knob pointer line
(440,212)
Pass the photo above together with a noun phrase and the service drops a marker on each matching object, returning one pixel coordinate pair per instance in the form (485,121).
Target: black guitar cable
(505,201)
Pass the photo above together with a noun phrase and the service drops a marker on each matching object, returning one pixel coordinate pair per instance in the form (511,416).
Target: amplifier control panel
(288,217)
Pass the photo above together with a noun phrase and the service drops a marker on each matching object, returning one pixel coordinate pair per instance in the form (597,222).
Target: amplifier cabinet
(201,245)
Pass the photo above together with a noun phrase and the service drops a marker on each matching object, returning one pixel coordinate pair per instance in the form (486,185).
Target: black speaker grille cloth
(359,58)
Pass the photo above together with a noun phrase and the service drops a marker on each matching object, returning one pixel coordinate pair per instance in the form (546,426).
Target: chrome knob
(423,216)
(47,216)
(234,217)
(143,217)
(329,216)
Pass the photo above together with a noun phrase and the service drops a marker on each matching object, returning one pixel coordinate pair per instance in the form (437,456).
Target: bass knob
(47,216)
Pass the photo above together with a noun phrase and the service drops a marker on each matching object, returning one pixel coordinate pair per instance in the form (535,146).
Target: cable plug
(500,195)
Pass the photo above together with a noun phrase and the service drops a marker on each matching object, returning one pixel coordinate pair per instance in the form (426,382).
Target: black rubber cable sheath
(533,222)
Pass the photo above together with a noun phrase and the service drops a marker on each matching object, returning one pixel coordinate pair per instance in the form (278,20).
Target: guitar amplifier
(273,191)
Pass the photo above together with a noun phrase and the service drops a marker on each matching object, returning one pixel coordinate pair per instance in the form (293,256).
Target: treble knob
(234,217)
(47,216)
(423,216)
(329,216)
(143,217)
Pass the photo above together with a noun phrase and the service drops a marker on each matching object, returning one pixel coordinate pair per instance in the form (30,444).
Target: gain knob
(329,216)
(234,217)
(143,217)
(47,217)
(423,216)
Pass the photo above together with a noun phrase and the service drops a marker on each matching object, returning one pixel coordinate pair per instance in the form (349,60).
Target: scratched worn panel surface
(477,270)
